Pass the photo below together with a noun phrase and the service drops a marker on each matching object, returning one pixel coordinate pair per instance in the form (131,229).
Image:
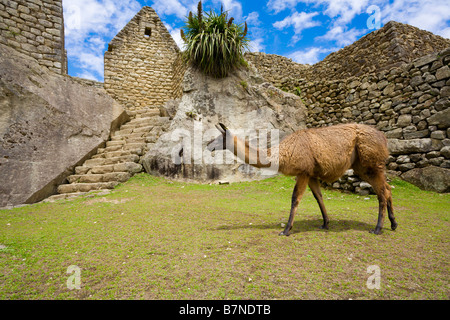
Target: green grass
(152,238)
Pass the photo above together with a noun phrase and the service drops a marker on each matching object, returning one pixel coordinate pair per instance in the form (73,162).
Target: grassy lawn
(152,238)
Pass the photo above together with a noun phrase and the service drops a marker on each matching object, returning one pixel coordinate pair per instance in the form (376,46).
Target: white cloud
(280,5)
(170,7)
(87,24)
(343,10)
(253,19)
(233,7)
(299,21)
(309,55)
(256,33)
(340,36)
(87,75)
(445,33)
(430,15)
(256,45)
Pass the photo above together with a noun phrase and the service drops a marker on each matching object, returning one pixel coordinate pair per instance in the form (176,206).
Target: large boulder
(245,103)
(429,178)
(400,147)
(49,124)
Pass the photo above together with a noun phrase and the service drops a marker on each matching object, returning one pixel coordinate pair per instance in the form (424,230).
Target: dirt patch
(113,201)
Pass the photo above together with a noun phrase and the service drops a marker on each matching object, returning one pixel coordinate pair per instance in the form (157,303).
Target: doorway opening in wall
(148,32)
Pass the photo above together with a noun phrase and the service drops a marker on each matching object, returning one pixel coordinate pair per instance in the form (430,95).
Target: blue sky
(304,30)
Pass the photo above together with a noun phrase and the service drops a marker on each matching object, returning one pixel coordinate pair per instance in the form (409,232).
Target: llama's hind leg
(390,207)
(299,190)
(376,177)
(315,189)
(378,181)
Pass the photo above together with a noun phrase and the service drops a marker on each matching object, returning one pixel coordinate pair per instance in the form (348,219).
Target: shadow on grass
(308,225)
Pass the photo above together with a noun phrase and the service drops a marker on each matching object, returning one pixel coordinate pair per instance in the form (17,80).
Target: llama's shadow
(307,226)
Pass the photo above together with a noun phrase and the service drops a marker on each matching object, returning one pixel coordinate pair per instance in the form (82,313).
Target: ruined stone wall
(276,69)
(142,65)
(88,82)
(36,28)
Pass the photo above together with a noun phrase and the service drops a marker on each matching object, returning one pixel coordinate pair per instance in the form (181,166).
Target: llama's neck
(256,157)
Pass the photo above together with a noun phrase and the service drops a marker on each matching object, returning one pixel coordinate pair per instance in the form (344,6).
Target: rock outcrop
(49,124)
(243,102)
(429,178)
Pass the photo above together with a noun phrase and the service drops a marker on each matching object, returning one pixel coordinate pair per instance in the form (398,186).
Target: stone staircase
(119,160)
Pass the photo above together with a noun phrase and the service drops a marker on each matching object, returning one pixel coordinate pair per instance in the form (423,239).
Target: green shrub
(214,43)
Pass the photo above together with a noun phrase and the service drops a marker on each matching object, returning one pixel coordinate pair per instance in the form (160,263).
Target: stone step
(140,122)
(63,196)
(143,129)
(114,143)
(94,178)
(136,140)
(148,114)
(94,162)
(130,167)
(122,132)
(135,148)
(86,187)
(106,161)
(133,145)
(129,153)
(122,153)
(143,111)
(134,135)
(113,148)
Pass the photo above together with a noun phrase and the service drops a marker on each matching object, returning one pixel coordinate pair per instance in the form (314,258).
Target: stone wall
(88,82)
(275,68)
(36,28)
(143,66)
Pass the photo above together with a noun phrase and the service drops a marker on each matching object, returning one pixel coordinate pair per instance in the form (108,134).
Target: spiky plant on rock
(214,43)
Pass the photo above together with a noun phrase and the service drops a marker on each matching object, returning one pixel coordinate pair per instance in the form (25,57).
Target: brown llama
(321,153)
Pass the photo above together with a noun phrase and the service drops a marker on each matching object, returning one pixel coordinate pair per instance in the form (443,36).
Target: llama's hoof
(394,226)
(284,233)
(376,231)
(324,227)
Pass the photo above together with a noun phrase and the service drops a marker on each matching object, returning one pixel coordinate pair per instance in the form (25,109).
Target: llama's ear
(221,127)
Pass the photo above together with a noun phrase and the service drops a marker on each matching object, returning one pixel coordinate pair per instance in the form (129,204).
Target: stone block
(402,147)
(443,73)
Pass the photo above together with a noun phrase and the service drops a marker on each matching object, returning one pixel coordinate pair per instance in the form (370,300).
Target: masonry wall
(143,66)
(36,28)
(275,68)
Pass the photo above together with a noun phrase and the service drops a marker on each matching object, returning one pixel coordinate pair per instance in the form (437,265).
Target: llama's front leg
(299,190)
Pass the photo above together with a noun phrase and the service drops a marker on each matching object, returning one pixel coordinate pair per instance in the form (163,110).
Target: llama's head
(220,143)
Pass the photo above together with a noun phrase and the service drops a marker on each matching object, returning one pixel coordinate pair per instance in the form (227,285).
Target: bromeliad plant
(214,43)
